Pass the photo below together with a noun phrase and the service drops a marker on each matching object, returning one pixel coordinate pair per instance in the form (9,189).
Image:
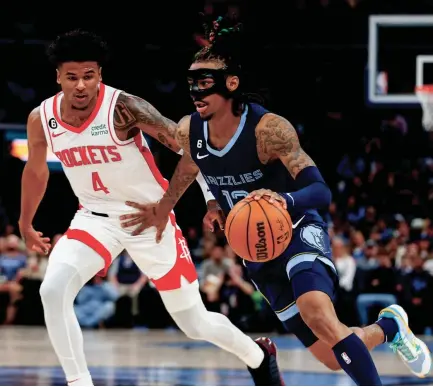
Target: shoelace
(406,348)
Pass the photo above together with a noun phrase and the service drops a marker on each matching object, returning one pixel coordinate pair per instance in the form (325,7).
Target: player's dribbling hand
(271,196)
(213,214)
(148,215)
(35,240)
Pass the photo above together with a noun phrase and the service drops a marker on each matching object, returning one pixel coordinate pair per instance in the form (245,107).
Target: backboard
(400,57)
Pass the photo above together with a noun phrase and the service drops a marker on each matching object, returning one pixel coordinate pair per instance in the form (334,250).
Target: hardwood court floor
(143,357)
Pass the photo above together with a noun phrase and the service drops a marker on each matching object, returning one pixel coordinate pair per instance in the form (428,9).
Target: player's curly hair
(222,41)
(78,46)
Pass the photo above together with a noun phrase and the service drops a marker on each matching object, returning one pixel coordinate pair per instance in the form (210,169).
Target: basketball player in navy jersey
(243,150)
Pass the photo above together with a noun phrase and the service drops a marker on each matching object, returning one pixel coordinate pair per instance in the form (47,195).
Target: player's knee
(192,330)
(195,325)
(321,319)
(61,284)
(320,322)
(50,293)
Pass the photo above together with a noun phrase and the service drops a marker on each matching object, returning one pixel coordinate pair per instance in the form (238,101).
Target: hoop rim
(424,89)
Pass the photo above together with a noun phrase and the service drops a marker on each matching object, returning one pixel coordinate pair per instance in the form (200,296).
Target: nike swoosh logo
(201,157)
(297,223)
(58,134)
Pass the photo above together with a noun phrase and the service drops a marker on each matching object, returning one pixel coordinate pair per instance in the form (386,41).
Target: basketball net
(425,97)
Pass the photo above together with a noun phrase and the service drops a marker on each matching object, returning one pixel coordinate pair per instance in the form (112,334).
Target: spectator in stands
(355,211)
(369,260)
(213,272)
(366,224)
(417,293)
(346,267)
(235,295)
(95,303)
(358,245)
(128,279)
(381,232)
(12,260)
(379,287)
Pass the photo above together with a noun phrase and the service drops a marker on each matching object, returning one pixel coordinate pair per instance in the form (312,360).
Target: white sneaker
(411,350)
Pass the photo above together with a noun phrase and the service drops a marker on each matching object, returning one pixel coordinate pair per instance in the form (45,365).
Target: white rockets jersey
(103,171)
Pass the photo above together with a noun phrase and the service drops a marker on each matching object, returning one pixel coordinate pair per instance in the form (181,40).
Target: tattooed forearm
(183,176)
(277,138)
(133,112)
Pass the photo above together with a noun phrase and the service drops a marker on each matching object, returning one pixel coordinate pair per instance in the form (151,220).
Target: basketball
(257,230)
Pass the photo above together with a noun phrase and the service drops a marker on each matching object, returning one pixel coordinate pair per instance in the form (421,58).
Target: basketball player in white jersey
(96,132)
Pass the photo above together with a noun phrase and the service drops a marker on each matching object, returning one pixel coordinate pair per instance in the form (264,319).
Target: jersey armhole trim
(111,121)
(45,126)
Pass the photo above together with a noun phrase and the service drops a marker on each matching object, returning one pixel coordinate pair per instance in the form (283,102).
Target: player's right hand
(35,240)
(213,214)
(148,215)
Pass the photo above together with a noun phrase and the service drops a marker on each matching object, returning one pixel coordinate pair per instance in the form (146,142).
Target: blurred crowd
(378,163)
(382,242)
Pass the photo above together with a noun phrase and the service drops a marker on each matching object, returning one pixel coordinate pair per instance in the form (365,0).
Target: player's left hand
(213,214)
(148,215)
(271,196)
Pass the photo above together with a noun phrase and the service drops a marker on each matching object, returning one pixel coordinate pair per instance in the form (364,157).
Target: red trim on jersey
(111,130)
(94,244)
(47,126)
(89,120)
(183,267)
(148,157)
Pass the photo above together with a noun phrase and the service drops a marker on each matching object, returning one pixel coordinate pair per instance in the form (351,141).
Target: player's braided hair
(78,46)
(222,41)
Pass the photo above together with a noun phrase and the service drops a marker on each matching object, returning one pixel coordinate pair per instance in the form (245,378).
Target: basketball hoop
(425,96)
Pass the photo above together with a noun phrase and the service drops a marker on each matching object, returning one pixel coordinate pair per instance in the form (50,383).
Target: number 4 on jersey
(98,185)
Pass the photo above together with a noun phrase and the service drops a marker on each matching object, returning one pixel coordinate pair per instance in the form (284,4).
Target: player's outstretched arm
(134,112)
(34,182)
(186,170)
(277,139)
(156,214)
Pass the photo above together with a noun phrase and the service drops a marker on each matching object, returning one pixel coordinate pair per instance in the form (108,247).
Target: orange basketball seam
(232,215)
(270,227)
(248,230)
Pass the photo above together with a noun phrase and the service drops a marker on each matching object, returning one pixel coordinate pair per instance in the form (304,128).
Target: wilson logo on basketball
(261,245)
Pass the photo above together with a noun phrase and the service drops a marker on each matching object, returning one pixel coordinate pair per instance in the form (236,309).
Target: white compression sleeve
(200,324)
(70,266)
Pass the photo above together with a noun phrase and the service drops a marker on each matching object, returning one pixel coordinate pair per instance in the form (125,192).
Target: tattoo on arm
(183,176)
(182,133)
(277,138)
(123,119)
(134,112)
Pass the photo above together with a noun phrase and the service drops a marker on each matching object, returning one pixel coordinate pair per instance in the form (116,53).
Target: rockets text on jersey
(103,171)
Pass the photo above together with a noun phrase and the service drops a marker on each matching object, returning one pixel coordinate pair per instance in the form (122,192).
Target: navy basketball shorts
(305,266)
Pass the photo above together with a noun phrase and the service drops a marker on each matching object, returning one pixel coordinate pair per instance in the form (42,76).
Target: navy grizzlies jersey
(234,171)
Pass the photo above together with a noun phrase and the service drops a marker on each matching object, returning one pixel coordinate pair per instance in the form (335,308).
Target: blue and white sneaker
(411,350)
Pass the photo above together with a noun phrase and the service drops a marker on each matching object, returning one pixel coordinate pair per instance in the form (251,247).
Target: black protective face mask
(219,86)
